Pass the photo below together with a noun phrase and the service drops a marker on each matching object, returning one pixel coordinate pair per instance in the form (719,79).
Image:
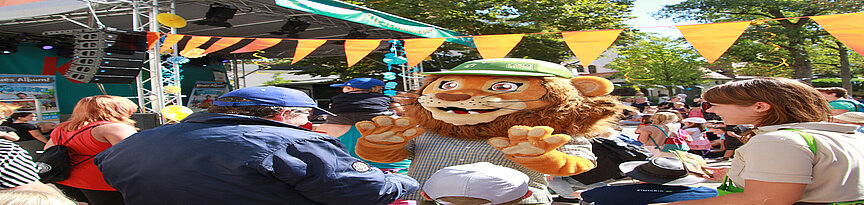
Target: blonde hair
(100,108)
(663,118)
(6,109)
(32,197)
(790,100)
(461,200)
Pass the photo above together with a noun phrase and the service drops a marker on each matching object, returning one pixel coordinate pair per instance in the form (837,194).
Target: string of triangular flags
(710,40)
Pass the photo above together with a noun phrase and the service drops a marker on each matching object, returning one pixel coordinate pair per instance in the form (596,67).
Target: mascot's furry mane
(568,112)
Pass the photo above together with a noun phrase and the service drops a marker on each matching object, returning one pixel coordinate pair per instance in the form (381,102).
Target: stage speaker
(143,121)
(108,56)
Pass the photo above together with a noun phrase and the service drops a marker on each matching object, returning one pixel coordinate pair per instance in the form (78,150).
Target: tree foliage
(484,17)
(649,60)
(276,79)
(777,47)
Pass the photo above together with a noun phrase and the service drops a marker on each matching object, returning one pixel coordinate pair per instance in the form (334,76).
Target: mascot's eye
(505,86)
(449,85)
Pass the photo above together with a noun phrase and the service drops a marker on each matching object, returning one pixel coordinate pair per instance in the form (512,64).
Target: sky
(643,9)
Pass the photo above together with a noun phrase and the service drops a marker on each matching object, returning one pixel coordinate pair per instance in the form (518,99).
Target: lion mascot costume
(529,115)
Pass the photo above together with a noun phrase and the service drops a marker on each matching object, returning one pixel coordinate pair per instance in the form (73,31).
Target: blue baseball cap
(271,96)
(362,83)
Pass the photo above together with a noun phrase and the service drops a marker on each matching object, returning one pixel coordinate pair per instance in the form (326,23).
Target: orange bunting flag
(258,44)
(496,46)
(588,45)
(712,40)
(196,41)
(419,48)
(152,38)
(16,2)
(356,50)
(222,43)
(304,48)
(170,40)
(847,28)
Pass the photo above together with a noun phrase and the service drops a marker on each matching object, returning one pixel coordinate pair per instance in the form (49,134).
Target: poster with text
(204,93)
(34,93)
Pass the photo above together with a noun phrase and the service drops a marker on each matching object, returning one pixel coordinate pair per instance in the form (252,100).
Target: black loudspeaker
(143,121)
(108,56)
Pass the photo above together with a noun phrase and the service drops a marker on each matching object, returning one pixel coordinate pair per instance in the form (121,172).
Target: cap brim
(337,85)
(487,72)
(847,119)
(323,112)
(629,168)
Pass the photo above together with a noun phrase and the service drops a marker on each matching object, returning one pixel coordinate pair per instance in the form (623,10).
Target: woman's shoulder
(111,126)
(648,128)
(778,136)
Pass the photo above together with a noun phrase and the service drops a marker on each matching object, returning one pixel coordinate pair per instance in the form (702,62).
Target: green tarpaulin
(363,15)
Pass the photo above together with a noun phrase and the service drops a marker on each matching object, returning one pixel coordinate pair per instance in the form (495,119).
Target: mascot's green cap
(508,67)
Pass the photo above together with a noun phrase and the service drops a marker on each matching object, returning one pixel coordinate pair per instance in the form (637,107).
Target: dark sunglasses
(706,105)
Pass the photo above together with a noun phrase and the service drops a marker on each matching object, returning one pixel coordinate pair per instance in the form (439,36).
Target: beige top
(834,174)
(657,134)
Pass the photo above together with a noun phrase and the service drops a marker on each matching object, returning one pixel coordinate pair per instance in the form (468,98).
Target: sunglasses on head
(706,105)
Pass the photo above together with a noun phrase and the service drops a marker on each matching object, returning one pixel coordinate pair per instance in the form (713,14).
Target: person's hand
(717,173)
(387,130)
(525,141)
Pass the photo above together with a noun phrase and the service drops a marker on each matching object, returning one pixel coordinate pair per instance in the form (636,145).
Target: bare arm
(112,133)
(48,144)
(644,136)
(11,136)
(38,135)
(758,192)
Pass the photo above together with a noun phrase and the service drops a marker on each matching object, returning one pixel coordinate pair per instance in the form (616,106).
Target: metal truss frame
(152,93)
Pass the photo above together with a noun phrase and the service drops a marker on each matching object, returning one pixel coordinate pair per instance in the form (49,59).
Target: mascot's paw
(524,141)
(387,130)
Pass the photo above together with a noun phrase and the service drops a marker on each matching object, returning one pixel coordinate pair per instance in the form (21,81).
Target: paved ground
(630,131)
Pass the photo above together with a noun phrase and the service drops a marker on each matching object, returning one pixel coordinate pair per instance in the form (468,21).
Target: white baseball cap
(482,180)
(853,117)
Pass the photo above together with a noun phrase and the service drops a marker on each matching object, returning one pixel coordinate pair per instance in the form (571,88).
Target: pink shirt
(695,113)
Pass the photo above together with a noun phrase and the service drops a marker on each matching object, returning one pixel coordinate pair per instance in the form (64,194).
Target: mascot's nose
(452,97)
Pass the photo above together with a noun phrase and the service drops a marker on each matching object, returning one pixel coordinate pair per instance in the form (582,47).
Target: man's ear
(592,86)
(281,115)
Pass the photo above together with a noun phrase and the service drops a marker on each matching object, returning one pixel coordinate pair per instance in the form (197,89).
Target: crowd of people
(788,143)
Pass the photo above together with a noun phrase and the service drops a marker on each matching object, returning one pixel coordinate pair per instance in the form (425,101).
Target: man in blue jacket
(249,149)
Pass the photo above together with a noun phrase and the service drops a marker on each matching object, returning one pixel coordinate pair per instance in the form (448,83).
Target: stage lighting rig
(292,28)
(8,46)
(218,15)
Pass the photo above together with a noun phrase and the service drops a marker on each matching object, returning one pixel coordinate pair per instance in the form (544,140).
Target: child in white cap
(477,183)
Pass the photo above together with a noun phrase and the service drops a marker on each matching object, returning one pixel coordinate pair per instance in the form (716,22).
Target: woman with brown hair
(97,122)
(778,165)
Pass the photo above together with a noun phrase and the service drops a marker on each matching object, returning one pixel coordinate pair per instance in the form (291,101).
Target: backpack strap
(807,137)
(76,134)
(79,132)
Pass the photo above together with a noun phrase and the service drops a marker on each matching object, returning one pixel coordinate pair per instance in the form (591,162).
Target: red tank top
(81,148)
